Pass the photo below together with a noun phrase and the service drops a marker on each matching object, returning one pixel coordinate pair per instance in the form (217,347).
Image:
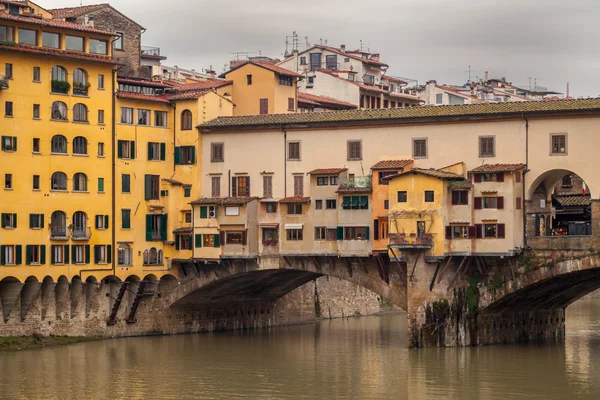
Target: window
(59,83)
(160,118)
(386,204)
(124,255)
(118,42)
(383,175)
(59,111)
(153,257)
(101,117)
(302,60)
(156,151)
(269,236)
(8,181)
(36,221)
(186,120)
(9,221)
(208,240)
(271,207)
(460,232)
(8,255)
(311,82)
(240,186)
(59,181)
(298,185)
(125,183)
(98,46)
(356,233)
(152,187)
(320,233)
(492,202)
(402,196)
(125,218)
(355,203)
(249,79)
(6,33)
(101,222)
(143,117)
(558,144)
(318,204)
(331,234)
(36,74)
(232,211)
(263,106)
(460,197)
(102,254)
(420,148)
(439,98)
(80,182)
(156,227)
(490,230)
(188,217)
(215,182)
(27,36)
(8,71)
(57,254)
(267,186)
(36,182)
(354,150)
(187,191)
(429,196)
(8,108)
(333,180)
(330,204)
(9,143)
(294,234)
(322,181)
(185,155)
(294,208)
(126,115)
(291,104)
(100,149)
(74,43)
(235,237)
(101,185)
(487,146)
(126,149)
(100,81)
(50,39)
(331,62)
(566,181)
(36,145)
(294,151)
(80,145)
(286,80)
(36,111)
(58,220)
(488,177)
(217,152)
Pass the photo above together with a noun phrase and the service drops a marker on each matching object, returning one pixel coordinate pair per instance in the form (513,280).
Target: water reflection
(364,358)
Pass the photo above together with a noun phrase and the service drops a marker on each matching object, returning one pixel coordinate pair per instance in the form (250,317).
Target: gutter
(523,180)
(114,173)
(284,161)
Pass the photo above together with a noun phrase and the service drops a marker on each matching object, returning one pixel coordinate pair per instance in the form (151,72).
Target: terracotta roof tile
(295,200)
(224,201)
(322,100)
(143,97)
(498,168)
(23,48)
(143,82)
(71,12)
(436,173)
(17,3)
(346,188)
(573,200)
(189,95)
(54,24)
(408,115)
(460,185)
(391,164)
(173,182)
(271,67)
(203,85)
(327,171)
(183,229)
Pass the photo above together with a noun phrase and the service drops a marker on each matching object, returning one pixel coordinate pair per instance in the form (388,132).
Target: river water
(359,358)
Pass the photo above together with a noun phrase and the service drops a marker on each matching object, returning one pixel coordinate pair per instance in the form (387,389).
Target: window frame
(294,235)
(402,196)
(483,146)
(294,209)
(427,199)
(566,149)
(349,150)
(126,115)
(217,152)
(289,152)
(414,153)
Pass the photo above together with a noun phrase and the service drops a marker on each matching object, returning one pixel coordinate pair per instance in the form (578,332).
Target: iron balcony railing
(150,51)
(58,233)
(81,233)
(80,90)
(411,240)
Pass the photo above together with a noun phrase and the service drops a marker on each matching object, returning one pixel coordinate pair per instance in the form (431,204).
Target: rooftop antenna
(291,41)
(530,83)
(469,71)
(364,46)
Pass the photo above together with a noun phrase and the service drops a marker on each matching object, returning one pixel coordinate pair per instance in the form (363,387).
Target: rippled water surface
(361,358)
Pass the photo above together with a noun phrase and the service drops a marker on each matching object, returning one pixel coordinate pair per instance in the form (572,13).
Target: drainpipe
(114,172)
(174,136)
(284,162)
(523,180)
(229,183)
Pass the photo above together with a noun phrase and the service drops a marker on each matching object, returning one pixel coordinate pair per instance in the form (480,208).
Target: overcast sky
(555,41)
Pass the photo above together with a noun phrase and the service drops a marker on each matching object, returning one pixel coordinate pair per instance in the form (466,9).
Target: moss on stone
(16,343)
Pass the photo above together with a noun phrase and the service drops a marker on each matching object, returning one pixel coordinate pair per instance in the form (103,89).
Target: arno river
(360,358)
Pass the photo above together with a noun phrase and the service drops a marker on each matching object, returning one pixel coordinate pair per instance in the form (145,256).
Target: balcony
(80,89)
(60,87)
(58,233)
(150,51)
(81,233)
(4,82)
(411,241)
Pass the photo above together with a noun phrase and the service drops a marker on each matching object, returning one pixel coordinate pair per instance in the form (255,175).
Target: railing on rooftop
(150,51)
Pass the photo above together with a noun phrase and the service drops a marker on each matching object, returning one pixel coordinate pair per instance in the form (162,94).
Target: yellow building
(56,146)
(263,88)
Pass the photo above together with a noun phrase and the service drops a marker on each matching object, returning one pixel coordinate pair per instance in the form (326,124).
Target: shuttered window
(264,106)
(291,104)
(151,187)
(558,144)
(267,186)
(240,186)
(354,150)
(215,186)
(293,150)
(298,186)
(420,148)
(487,146)
(217,152)
(185,155)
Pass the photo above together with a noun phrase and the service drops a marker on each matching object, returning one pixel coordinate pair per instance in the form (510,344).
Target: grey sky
(552,40)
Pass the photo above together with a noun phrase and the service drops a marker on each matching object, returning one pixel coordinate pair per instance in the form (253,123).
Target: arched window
(80,82)
(186,120)
(79,225)
(124,254)
(80,113)
(145,257)
(58,222)
(80,145)
(153,258)
(80,182)
(60,83)
(59,181)
(59,111)
(59,144)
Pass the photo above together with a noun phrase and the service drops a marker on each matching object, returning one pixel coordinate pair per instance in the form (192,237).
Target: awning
(364,200)
(355,201)
(293,226)
(269,224)
(346,202)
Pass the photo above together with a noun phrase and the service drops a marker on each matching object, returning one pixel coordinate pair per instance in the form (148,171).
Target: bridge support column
(526,326)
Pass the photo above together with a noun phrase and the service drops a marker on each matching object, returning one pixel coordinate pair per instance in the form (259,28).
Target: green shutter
(43,254)
(66,253)
(177,155)
(120,148)
(203,212)
(3,147)
(87,253)
(150,151)
(96,254)
(198,240)
(163,227)
(14,143)
(73,253)
(3,220)
(96,221)
(2,255)
(148,227)
(42,220)
(367,233)
(163,151)
(106,222)
(340,233)
(126,219)
(217,240)
(30,221)
(132,148)
(193,154)
(148,187)
(19,255)
(14,220)
(52,260)
(176,242)
(125,183)
(28,254)
(109,254)
(101,184)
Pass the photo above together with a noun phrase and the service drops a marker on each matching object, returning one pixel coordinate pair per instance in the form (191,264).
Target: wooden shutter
(376,229)
(148,227)
(192,154)
(43,254)
(96,254)
(517,176)
(178,155)
(150,155)
(294,150)
(163,227)
(448,232)
(217,240)
(518,206)
(477,178)
(478,203)
(177,239)
(198,240)
(472,232)
(501,231)
(500,203)
(222,237)
(73,253)
(28,255)
(455,197)
(66,253)
(148,187)
(291,104)
(366,233)
(479,231)
(96,220)
(298,186)
(2,255)
(87,253)
(132,150)
(42,220)
(203,212)
(340,233)
(500,177)
(109,254)
(264,106)
(18,254)
(106,222)
(244,238)
(234,186)
(163,151)
(31,221)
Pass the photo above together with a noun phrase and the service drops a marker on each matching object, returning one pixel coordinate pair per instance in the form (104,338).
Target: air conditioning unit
(212,212)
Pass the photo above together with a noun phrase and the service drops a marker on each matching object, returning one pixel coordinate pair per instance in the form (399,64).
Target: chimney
(485,76)
(193,73)
(343,48)
(176,73)
(211,73)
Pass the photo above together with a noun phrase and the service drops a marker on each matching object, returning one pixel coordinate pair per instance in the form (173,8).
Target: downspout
(114,172)
(523,180)
(174,129)
(284,162)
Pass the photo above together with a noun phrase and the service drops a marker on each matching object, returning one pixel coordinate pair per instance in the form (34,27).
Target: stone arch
(167,283)
(547,179)
(150,278)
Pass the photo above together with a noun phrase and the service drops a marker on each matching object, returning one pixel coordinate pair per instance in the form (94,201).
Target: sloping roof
(436,173)
(45,51)
(173,182)
(410,115)
(498,168)
(55,24)
(143,97)
(295,200)
(354,189)
(203,85)
(460,185)
(327,171)
(394,79)
(348,54)
(224,201)
(189,95)
(17,3)
(391,164)
(183,229)
(74,12)
(322,100)
(271,67)
(573,200)
(143,82)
